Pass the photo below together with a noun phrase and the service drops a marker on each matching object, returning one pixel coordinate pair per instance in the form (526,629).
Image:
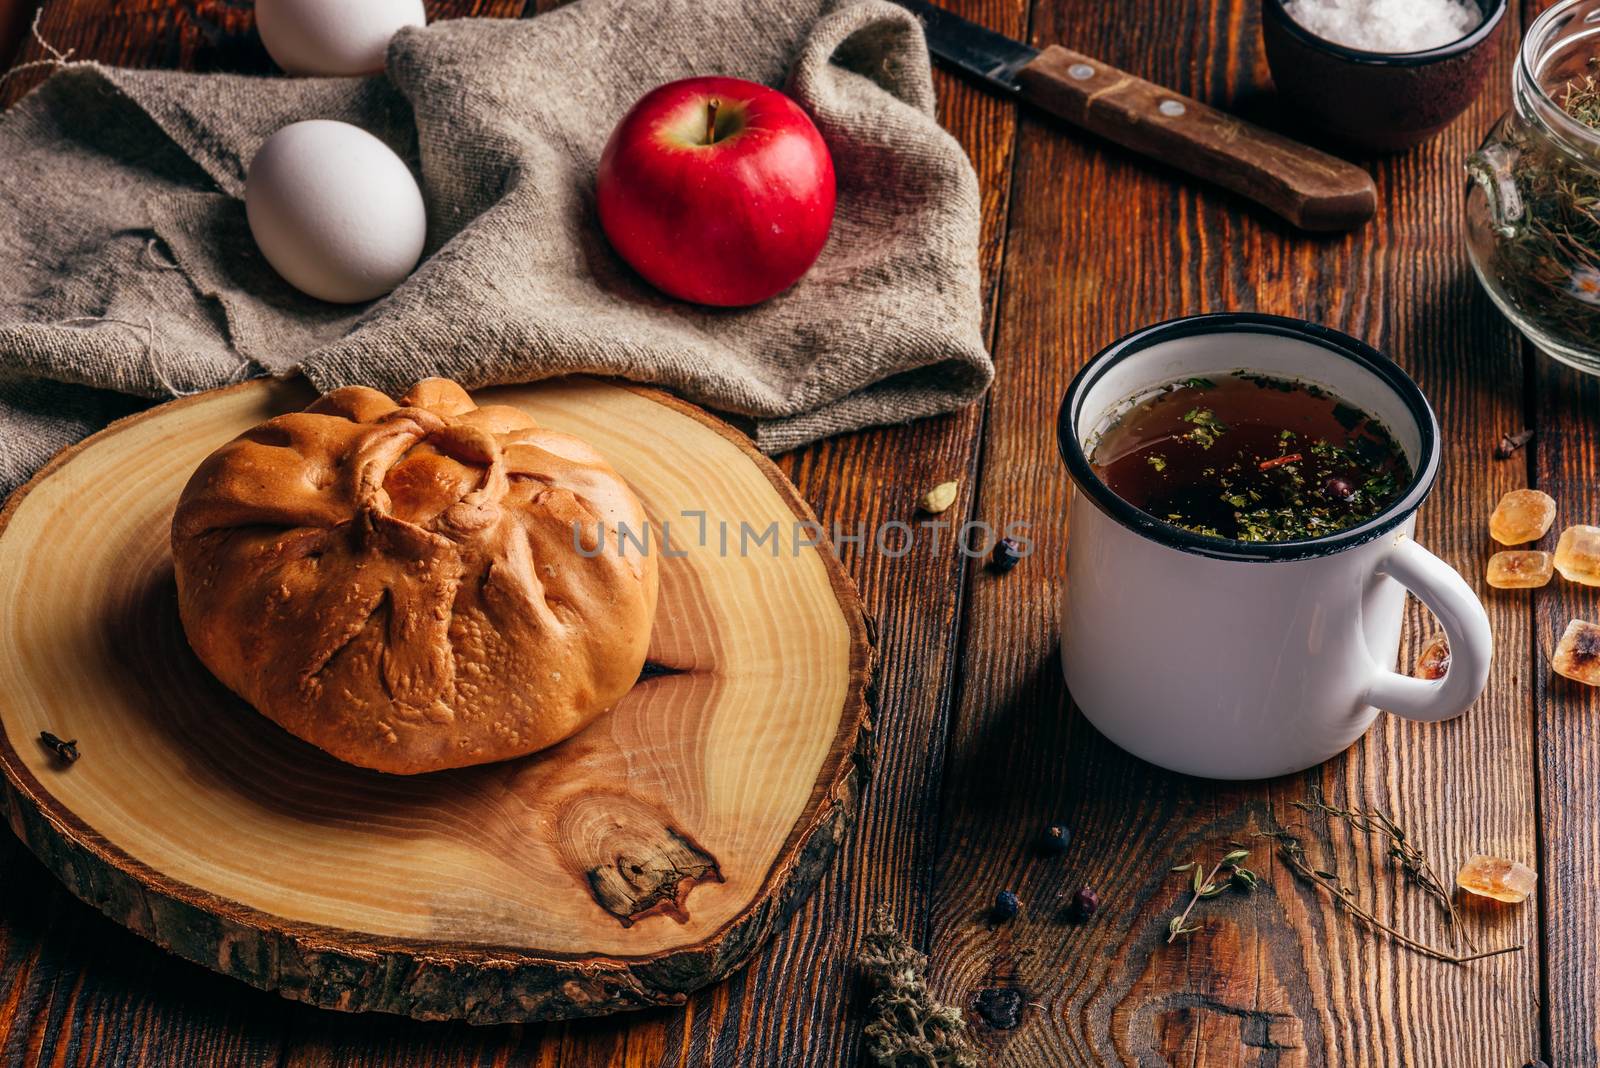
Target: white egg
(335,211)
(333,37)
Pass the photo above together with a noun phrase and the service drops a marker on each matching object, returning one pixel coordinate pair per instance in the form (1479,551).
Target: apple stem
(711,119)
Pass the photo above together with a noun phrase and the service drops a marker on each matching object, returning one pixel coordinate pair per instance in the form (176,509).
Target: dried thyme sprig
(909,1028)
(1293,854)
(1411,860)
(1238,878)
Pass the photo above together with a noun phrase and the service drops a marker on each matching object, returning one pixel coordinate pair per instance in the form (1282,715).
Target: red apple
(717,190)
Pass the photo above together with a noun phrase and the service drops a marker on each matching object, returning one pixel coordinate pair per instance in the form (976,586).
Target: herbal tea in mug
(1251,458)
(1257,531)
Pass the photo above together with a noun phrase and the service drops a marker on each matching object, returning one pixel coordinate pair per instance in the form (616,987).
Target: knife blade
(1308,187)
(974,50)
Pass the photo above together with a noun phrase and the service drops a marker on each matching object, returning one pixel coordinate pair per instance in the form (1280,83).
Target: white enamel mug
(1241,660)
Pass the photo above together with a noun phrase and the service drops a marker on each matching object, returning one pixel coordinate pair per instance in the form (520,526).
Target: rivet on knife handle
(1313,190)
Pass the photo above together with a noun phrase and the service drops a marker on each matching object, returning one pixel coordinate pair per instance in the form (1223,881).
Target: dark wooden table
(978,744)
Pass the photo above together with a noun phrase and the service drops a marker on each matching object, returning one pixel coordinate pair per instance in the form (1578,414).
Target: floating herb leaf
(1207,427)
(1379,487)
(1348,417)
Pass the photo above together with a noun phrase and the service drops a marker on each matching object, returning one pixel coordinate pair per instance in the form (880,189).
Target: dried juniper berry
(1000,1007)
(1006,906)
(1007,554)
(1084,904)
(1509,444)
(1055,839)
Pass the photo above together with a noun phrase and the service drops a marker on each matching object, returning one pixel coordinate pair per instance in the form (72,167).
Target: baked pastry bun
(402,584)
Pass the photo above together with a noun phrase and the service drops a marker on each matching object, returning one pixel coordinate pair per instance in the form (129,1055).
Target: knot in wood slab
(634,860)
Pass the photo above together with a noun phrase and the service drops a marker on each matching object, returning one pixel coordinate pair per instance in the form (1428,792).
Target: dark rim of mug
(1497,11)
(1426,468)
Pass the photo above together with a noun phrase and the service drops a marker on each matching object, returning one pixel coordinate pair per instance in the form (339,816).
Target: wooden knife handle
(1313,190)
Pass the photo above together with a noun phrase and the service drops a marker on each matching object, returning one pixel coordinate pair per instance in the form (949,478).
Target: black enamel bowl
(1377,101)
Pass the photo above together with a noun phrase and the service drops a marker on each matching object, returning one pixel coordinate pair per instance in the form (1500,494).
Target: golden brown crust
(401,584)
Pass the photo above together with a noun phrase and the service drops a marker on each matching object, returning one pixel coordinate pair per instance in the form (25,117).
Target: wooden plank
(791,1007)
(77,989)
(199,35)
(787,1007)
(1566,464)
(14,18)
(1102,243)
(794,1004)
(81,989)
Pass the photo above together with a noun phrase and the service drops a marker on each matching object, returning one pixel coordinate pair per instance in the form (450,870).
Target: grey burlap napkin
(126,264)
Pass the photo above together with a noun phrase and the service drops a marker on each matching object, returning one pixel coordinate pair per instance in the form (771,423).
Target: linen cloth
(127,269)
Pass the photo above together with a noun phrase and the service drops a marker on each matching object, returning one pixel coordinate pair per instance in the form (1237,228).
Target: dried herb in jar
(1546,263)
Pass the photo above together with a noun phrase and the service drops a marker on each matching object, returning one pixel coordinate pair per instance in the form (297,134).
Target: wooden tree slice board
(646,857)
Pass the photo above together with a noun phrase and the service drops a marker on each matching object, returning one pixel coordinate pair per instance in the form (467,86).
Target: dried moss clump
(909,1029)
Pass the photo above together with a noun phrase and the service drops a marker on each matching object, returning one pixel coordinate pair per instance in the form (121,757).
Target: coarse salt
(1391,26)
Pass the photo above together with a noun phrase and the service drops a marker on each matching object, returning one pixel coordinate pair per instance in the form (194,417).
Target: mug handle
(1466,627)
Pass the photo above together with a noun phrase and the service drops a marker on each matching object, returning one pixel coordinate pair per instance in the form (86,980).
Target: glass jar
(1533,209)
